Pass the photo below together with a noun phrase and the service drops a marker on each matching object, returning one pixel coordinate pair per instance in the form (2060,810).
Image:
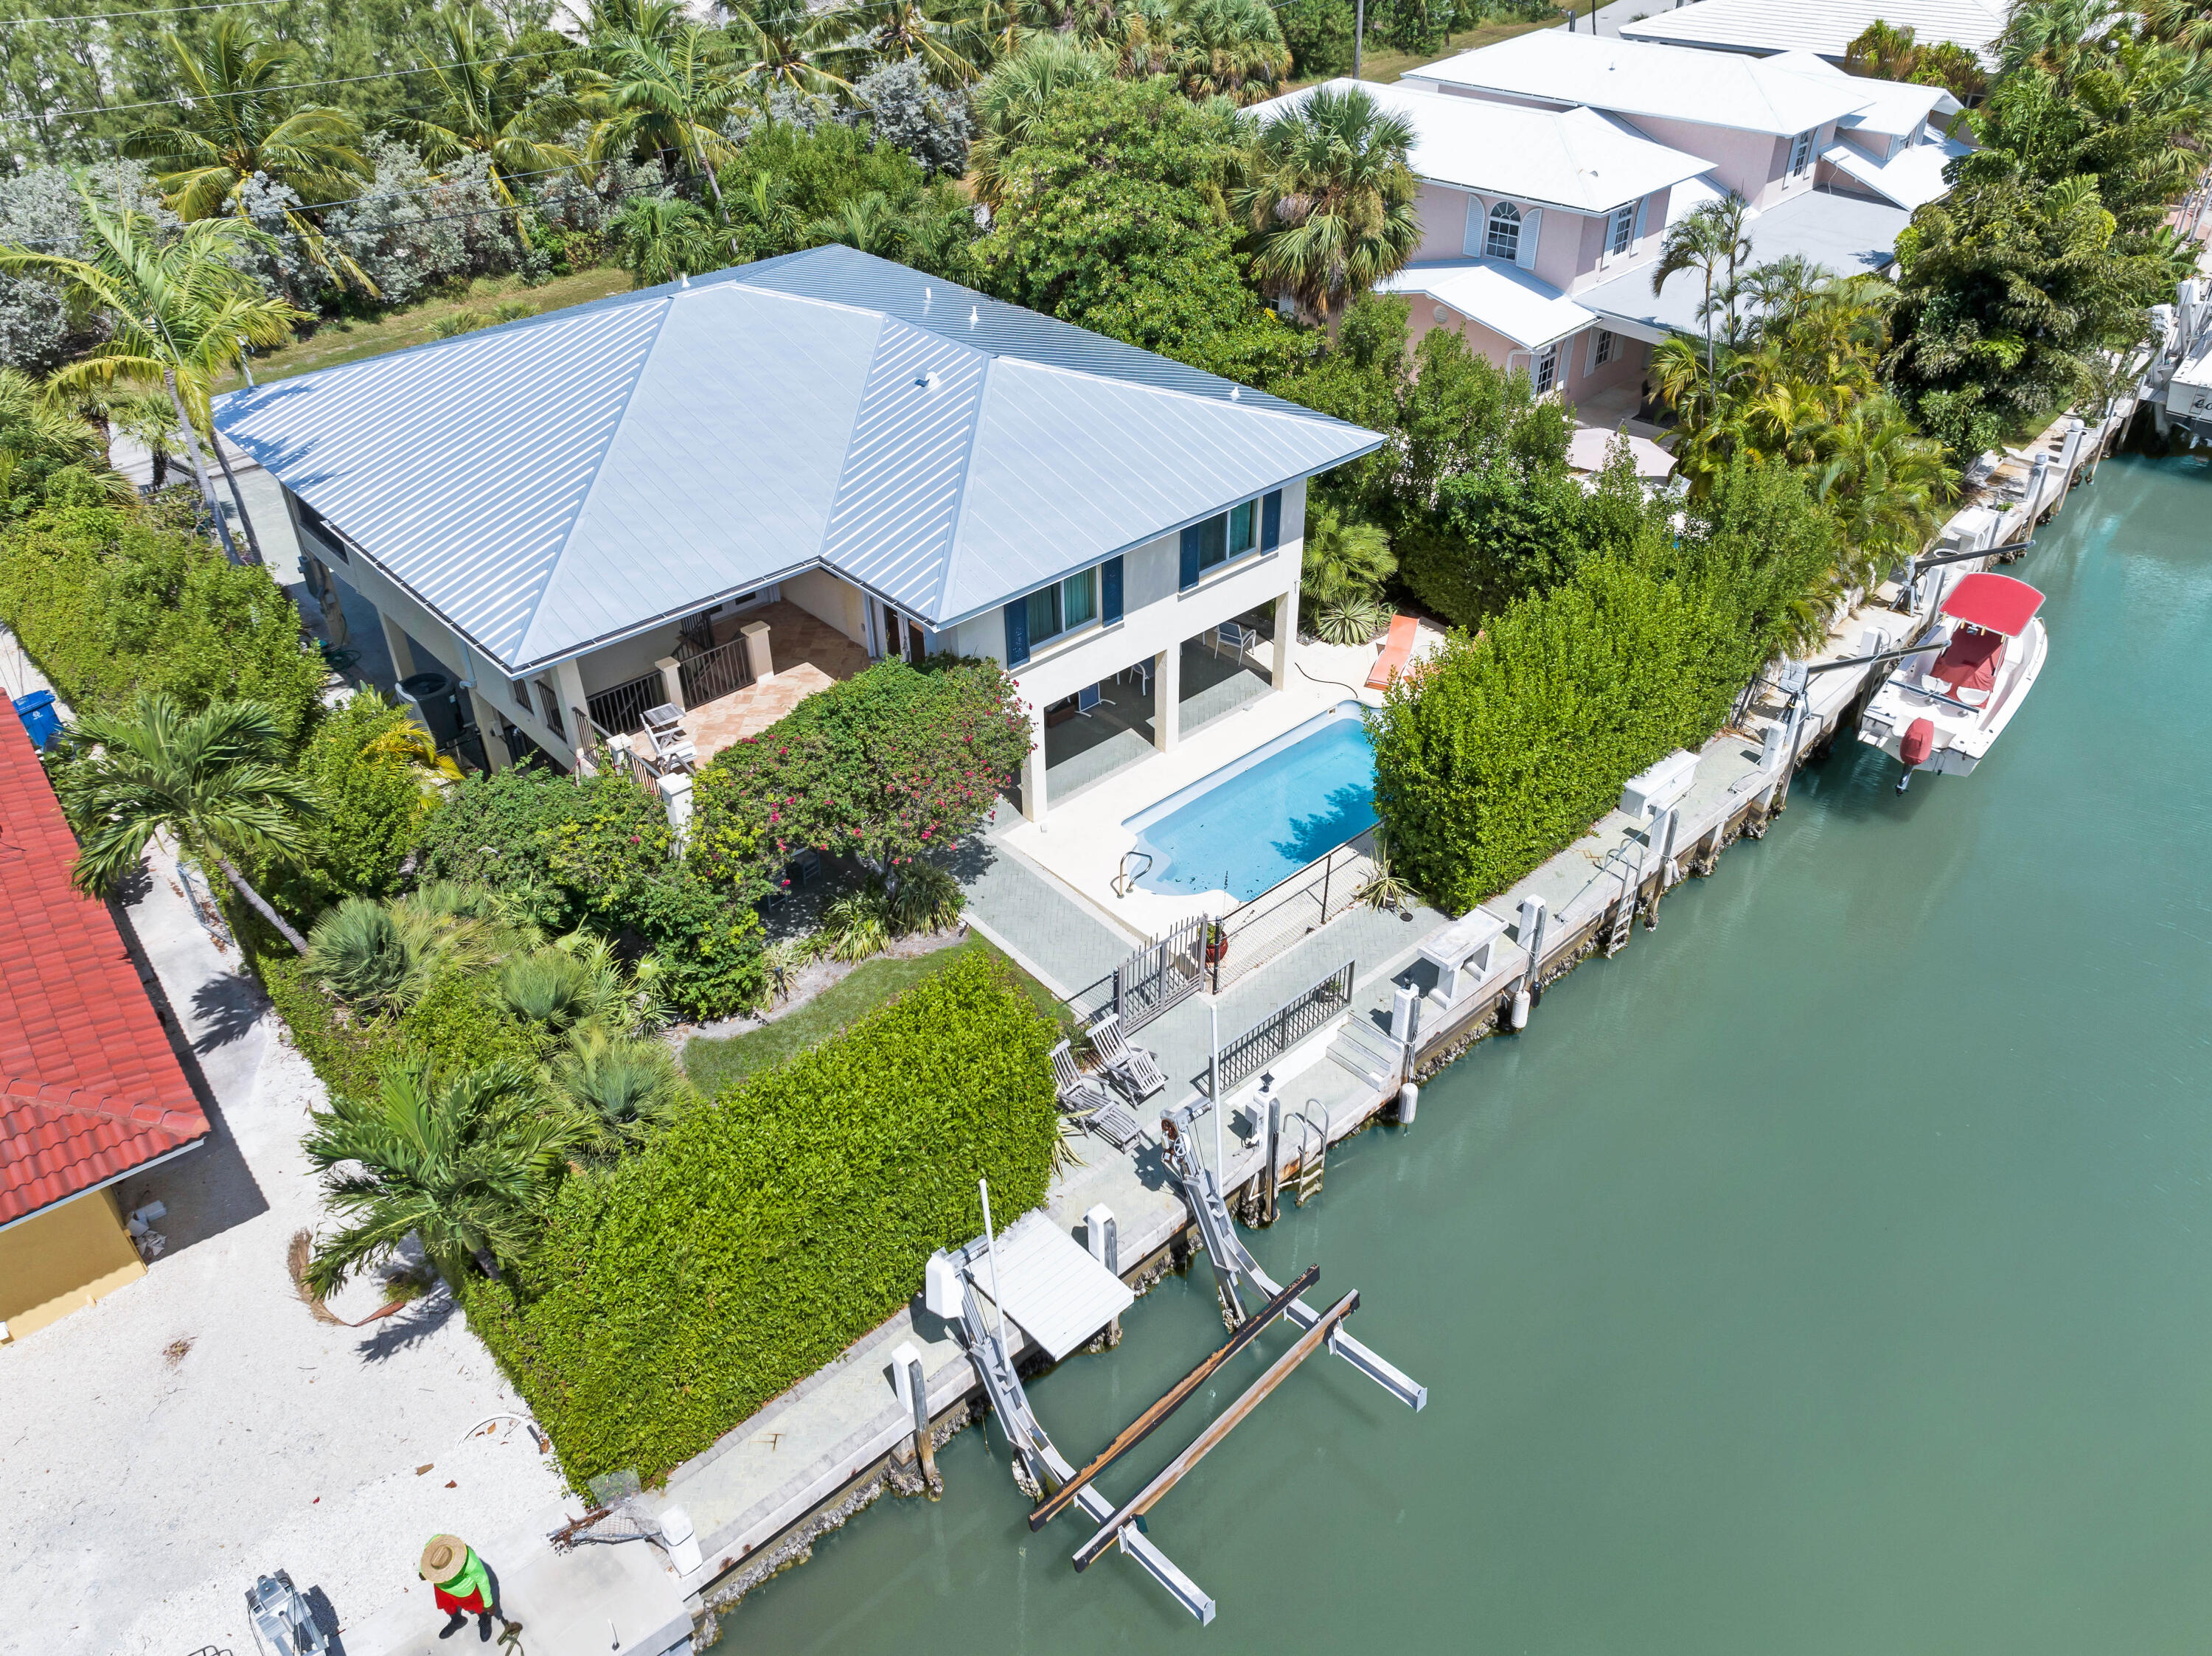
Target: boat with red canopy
(1946,703)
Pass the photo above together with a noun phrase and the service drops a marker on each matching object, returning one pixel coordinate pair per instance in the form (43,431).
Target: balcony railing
(621,709)
(709,674)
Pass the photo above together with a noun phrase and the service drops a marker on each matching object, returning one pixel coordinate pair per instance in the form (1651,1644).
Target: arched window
(1505,240)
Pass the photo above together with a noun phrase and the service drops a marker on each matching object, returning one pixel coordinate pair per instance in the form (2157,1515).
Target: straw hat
(443,1559)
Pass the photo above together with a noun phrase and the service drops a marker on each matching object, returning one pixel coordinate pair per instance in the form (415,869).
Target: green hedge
(1508,746)
(760,1235)
(110,600)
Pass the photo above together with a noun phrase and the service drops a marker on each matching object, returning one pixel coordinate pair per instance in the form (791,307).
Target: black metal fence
(622,710)
(1251,934)
(1304,1015)
(1163,975)
(713,673)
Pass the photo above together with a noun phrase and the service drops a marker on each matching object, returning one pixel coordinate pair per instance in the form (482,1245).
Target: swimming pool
(1256,821)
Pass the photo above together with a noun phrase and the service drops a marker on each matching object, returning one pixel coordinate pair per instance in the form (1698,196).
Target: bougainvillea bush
(884,767)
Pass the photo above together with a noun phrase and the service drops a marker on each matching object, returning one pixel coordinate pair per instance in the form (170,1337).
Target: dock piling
(1103,1238)
(906,1362)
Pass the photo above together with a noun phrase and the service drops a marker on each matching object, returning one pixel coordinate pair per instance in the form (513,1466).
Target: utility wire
(157,11)
(301,86)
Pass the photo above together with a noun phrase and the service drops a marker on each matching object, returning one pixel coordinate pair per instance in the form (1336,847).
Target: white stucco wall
(1155,616)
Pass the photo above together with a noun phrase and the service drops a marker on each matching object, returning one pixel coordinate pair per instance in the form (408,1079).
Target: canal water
(1830,1272)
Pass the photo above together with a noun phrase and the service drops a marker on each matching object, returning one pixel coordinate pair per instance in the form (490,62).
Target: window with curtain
(1244,528)
(1062,607)
(1504,239)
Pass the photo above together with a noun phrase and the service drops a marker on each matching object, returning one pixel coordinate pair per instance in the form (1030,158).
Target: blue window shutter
(1110,591)
(1190,557)
(1018,632)
(1271,522)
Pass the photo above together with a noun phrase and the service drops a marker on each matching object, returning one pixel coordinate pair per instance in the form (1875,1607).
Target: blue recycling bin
(40,722)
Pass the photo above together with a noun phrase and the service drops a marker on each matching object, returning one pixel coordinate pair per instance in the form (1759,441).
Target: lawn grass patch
(714,1064)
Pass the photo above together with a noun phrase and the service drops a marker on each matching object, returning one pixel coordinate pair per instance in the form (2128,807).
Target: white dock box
(1644,796)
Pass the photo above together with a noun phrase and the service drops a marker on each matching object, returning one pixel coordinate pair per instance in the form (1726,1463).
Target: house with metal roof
(1763,27)
(701,500)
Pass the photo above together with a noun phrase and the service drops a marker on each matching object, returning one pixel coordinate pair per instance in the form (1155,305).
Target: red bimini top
(1997,603)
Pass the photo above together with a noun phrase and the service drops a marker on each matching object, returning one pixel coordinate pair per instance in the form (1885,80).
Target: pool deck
(1081,843)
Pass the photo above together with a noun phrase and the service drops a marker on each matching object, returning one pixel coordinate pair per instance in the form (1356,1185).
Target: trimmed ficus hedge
(1505,748)
(760,1235)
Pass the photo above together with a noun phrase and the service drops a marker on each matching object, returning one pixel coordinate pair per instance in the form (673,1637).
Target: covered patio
(1085,747)
(807,654)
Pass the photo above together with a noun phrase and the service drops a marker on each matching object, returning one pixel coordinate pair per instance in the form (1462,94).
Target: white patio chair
(1237,636)
(1079,1093)
(1131,1066)
(663,733)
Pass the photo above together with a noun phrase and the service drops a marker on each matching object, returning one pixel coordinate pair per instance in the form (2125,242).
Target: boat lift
(954,1277)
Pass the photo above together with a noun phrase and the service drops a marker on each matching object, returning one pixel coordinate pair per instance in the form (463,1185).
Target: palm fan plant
(928,899)
(618,999)
(379,957)
(858,924)
(1355,618)
(464,1166)
(660,237)
(550,988)
(215,781)
(1009,103)
(617,1088)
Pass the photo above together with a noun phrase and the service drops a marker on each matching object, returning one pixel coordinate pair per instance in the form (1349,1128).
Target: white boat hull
(1962,735)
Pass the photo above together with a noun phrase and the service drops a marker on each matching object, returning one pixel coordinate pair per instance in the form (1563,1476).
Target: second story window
(1063,606)
(1504,238)
(1623,235)
(1546,371)
(1801,152)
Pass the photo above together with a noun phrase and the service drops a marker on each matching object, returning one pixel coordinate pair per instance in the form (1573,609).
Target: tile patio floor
(808,655)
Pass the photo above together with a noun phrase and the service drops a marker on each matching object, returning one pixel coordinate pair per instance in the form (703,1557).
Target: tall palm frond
(667,85)
(491,106)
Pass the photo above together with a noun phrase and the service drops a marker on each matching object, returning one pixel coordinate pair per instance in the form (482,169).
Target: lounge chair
(1131,1066)
(670,748)
(1396,649)
(1079,1093)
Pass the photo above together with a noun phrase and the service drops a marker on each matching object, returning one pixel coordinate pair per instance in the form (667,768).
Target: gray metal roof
(1849,234)
(563,479)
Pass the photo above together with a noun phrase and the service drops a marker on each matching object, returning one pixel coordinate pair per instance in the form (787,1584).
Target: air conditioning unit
(1648,793)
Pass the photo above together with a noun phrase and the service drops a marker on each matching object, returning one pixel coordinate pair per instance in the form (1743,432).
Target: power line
(157,11)
(301,86)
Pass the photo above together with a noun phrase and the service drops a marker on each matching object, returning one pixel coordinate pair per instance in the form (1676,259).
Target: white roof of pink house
(1573,158)
(1828,27)
(1628,77)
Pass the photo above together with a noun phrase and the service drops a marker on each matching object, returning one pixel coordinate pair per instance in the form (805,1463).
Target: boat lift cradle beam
(1046,1465)
(1232,1261)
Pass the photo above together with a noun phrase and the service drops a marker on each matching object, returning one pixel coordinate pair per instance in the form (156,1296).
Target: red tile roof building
(89,1086)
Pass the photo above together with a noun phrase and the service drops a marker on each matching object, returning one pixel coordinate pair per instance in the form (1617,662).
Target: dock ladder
(1313,1149)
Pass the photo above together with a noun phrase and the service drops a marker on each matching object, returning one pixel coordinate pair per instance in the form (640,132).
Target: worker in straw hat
(461,1583)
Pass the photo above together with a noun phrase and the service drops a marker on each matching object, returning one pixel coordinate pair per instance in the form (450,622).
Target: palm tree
(181,311)
(1708,240)
(38,438)
(867,222)
(787,43)
(492,109)
(214,781)
(1888,483)
(667,85)
(944,43)
(1010,102)
(464,1166)
(1330,198)
(614,1088)
(147,416)
(239,122)
(660,237)
(1214,48)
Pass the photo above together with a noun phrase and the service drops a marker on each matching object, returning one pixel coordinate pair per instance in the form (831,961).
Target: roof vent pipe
(973,311)
(683,278)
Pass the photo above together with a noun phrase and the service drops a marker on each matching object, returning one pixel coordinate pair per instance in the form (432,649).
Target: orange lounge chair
(1396,649)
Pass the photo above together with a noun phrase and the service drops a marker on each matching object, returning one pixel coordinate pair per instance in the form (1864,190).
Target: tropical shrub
(886,767)
(110,601)
(374,770)
(1506,747)
(759,1235)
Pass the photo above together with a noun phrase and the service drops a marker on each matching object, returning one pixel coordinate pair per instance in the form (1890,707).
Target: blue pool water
(1258,821)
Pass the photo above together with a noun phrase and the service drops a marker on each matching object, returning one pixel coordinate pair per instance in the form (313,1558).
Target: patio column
(1167,696)
(487,718)
(1033,767)
(671,680)
(395,644)
(569,680)
(1286,630)
(757,653)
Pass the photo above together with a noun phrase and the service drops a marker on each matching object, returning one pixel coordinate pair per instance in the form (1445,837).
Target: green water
(1829,1272)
